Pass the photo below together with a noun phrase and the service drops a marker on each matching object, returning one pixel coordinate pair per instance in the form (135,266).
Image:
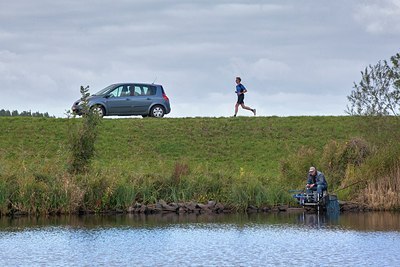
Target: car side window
(149,90)
(119,91)
(138,90)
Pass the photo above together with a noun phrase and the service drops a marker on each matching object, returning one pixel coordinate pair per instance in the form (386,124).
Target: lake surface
(276,239)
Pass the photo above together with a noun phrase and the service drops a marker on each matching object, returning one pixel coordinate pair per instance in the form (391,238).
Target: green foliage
(7,113)
(38,194)
(237,161)
(339,158)
(380,163)
(336,161)
(6,190)
(247,190)
(83,136)
(379,168)
(396,72)
(378,92)
(293,169)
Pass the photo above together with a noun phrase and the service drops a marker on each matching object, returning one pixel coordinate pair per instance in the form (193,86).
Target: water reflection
(321,220)
(369,221)
(375,221)
(260,239)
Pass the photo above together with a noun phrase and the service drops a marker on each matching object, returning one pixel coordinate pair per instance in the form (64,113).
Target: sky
(295,57)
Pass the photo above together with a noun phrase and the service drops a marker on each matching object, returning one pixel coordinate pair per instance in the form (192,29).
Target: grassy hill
(239,161)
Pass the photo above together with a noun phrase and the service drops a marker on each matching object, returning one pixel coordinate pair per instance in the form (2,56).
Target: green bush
(83,136)
(340,158)
(378,168)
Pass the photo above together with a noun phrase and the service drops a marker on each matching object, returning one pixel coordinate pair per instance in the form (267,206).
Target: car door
(143,97)
(119,101)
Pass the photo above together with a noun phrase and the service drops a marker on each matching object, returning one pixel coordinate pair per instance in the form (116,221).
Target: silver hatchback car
(125,99)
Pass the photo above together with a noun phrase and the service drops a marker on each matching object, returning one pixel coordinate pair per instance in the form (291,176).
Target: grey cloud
(381,17)
(285,51)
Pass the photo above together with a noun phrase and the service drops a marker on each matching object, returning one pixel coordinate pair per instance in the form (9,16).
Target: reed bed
(384,192)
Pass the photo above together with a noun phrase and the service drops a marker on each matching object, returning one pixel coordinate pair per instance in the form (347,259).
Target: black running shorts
(240,99)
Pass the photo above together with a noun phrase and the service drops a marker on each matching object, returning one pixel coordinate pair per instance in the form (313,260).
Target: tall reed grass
(111,190)
(384,192)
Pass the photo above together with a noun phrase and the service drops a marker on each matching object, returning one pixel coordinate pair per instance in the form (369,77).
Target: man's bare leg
(249,108)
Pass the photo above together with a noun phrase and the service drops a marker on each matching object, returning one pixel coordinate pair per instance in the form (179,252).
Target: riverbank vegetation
(239,161)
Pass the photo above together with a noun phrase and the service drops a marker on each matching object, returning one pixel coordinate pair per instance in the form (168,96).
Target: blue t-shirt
(240,88)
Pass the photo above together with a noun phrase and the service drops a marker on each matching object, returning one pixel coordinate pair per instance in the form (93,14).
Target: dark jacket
(318,179)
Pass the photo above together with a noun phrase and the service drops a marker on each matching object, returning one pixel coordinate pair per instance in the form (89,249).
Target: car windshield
(105,90)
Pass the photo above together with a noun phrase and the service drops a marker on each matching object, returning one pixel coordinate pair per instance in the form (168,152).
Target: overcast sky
(295,57)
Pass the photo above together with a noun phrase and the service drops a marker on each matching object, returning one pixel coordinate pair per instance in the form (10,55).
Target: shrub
(339,158)
(379,178)
(83,137)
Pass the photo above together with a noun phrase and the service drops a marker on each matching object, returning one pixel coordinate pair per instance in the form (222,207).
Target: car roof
(152,84)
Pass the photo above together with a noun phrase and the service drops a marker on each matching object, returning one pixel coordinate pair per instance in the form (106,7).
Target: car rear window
(141,90)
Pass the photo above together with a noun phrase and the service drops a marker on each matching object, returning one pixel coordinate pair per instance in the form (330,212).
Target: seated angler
(316,181)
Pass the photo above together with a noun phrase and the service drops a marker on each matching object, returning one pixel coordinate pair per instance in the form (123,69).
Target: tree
(83,136)
(14,113)
(26,114)
(396,71)
(378,93)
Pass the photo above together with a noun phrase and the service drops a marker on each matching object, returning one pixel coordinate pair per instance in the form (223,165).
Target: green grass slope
(238,161)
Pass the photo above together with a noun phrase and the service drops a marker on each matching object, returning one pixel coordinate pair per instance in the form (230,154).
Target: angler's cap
(312,169)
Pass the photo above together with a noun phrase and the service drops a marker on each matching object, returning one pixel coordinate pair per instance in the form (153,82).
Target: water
(285,239)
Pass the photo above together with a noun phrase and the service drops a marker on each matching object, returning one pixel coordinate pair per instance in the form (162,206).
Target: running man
(240,91)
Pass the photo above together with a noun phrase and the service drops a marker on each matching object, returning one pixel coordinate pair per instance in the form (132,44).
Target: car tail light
(165,97)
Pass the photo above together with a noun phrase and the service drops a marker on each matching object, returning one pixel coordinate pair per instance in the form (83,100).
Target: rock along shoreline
(211,207)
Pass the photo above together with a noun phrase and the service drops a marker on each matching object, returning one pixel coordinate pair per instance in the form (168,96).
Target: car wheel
(99,110)
(157,111)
